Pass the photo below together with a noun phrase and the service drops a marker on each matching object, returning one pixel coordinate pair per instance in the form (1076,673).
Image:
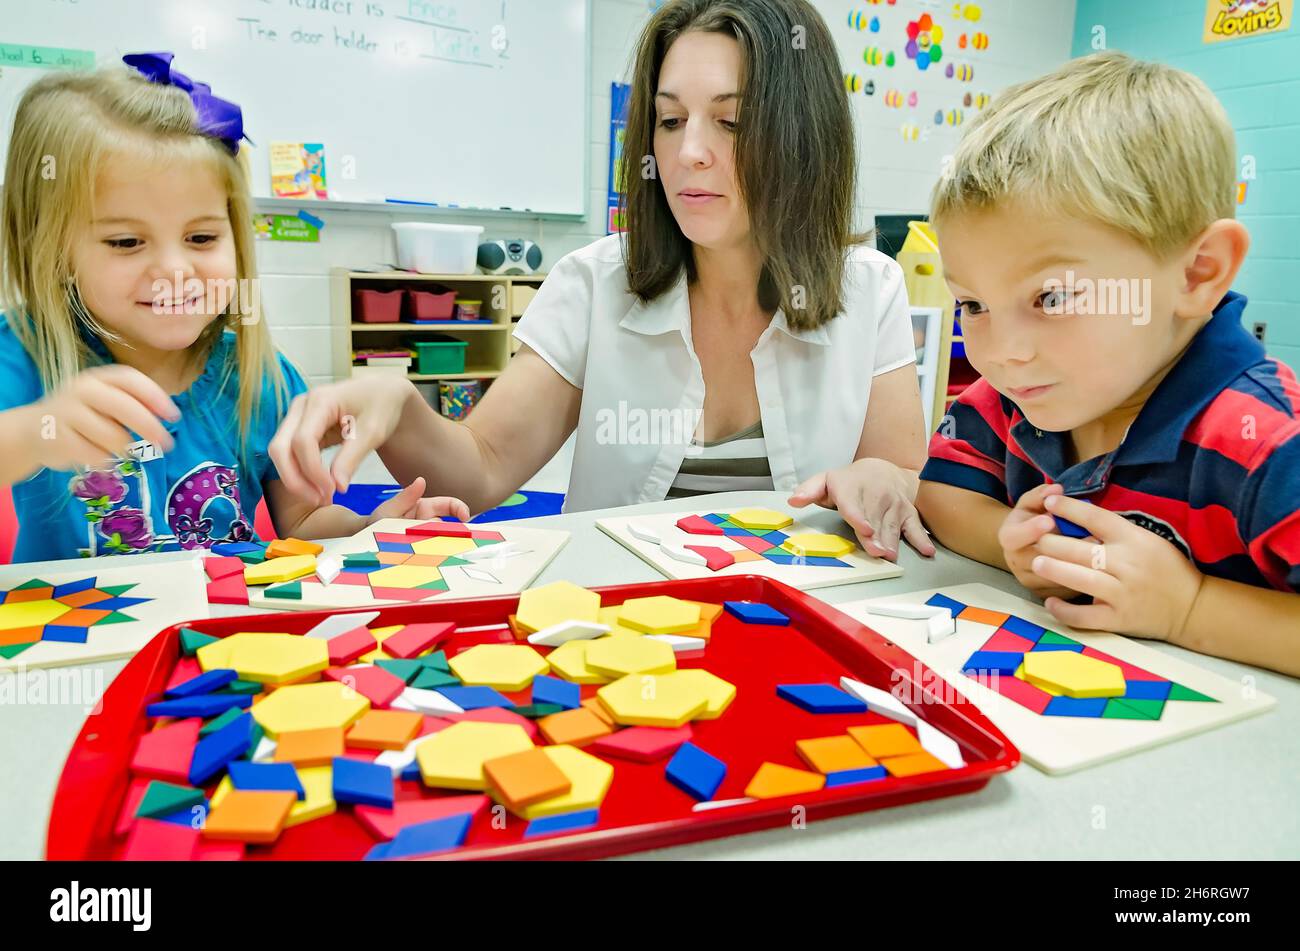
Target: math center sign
(1232,19)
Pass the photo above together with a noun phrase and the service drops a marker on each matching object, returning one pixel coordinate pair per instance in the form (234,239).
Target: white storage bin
(437,249)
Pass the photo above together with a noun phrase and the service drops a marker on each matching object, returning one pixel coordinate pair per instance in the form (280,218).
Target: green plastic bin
(440,355)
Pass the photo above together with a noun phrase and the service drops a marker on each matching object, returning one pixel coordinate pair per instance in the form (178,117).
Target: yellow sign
(1232,19)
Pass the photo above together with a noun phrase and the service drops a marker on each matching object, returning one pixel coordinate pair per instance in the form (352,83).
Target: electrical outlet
(1258,330)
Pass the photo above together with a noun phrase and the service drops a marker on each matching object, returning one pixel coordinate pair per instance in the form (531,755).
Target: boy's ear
(1210,266)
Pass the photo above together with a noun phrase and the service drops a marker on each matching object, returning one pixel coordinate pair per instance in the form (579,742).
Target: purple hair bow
(218,118)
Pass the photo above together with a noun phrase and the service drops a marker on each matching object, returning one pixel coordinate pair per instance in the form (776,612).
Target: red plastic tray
(642,810)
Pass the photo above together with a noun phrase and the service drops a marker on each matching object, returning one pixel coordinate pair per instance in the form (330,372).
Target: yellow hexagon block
(817,545)
(278,658)
(276,570)
(617,656)
(404,576)
(443,546)
(1074,674)
(329,705)
(271,658)
(610,618)
(552,603)
(659,614)
(569,661)
(503,666)
(453,758)
(589,778)
(318,784)
(718,693)
(654,699)
(761,520)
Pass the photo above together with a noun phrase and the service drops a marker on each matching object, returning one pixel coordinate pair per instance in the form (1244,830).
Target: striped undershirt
(733,464)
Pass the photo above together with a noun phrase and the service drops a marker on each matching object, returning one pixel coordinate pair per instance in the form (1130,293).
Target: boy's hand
(874,497)
(1021,534)
(1140,583)
(89,420)
(409,504)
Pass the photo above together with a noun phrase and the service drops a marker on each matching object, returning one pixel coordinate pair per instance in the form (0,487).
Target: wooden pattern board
(55,618)
(756,552)
(1165,698)
(413,568)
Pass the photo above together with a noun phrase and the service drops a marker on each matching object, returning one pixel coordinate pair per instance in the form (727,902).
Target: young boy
(1086,229)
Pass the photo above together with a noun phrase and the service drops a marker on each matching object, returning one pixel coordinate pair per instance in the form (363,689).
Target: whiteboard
(479,103)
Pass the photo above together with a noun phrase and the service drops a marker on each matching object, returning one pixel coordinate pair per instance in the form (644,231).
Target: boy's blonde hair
(67,126)
(1142,147)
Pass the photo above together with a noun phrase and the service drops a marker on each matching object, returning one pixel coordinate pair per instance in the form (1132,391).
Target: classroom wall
(1258,81)
(296,276)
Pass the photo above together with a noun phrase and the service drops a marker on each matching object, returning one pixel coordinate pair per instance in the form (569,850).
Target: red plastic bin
(641,810)
(432,305)
(377,307)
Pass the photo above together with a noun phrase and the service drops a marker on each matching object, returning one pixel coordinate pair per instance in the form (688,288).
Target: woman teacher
(736,337)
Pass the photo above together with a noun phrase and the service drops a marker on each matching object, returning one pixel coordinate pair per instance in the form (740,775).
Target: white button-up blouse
(643,390)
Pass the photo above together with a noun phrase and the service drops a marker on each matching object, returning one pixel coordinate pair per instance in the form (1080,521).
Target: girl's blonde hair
(1142,147)
(68,125)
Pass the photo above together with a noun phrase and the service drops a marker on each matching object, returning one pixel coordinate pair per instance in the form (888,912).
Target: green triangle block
(291,591)
(252,557)
(1179,692)
(431,678)
(118,589)
(191,641)
(255,739)
(216,723)
(534,710)
(366,560)
(437,659)
(484,542)
(34,583)
(1118,711)
(1051,637)
(433,586)
(403,669)
(1151,709)
(13,650)
(162,799)
(117,617)
(452,561)
(242,686)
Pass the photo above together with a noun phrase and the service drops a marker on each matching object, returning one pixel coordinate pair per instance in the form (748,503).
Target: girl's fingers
(319,414)
(281,452)
(125,409)
(146,391)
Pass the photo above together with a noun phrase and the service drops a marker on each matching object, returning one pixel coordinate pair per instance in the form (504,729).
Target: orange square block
(708,614)
(575,727)
(520,632)
(21,635)
(773,780)
(392,557)
(309,747)
(598,708)
(250,815)
(29,594)
(913,764)
(385,729)
(82,617)
(286,547)
(891,739)
(521,779)
(831,754)
(984,616)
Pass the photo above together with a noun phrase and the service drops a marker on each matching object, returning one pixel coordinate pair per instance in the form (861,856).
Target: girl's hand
(362,414)
(409,504)
(89,421)
(1140,583)
(1021,535)
(876,498)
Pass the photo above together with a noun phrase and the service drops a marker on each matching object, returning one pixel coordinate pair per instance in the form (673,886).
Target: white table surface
(1233,792)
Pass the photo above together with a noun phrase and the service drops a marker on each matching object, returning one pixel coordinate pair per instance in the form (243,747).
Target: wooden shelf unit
(489,349)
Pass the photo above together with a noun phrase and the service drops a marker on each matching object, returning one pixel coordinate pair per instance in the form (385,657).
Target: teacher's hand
(875,497)
(361,414)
